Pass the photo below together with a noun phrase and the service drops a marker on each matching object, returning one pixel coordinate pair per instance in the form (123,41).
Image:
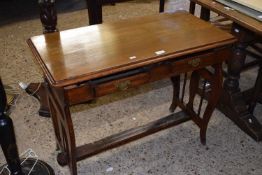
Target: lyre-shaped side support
(215,80)
(176,91)
(213,98)
(63,125)
(193,87)
(202,95)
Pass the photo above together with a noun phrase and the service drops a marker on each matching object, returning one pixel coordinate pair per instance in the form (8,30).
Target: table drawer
(133,78)
(79,93)
(99,87)
(121,84)
(199,61)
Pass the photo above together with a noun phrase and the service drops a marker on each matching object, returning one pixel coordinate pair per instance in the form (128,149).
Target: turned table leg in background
(7,135)
(48,17)
(9,147)
(233,103)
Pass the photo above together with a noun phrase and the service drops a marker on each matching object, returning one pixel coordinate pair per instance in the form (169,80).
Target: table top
(239,18)
(254,4)
(76,55)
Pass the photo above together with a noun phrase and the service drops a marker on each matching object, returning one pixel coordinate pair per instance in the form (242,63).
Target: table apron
(89,90)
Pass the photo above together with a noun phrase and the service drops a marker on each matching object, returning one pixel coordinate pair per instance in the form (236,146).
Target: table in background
(247,30)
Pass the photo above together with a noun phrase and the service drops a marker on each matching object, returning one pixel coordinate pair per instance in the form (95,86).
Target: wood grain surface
(254,4)
(81,54)
(238,17)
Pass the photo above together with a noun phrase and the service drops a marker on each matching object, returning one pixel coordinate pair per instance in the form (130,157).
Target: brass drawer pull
(194,62)
(124,85)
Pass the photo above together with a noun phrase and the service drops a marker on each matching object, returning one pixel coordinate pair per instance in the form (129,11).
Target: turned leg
(237,62)
(176,91)
(7,137)
(63,127)
(232,103)
(94,11)
(48,17)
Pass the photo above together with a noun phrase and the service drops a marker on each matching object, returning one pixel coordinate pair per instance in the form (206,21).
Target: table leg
(205,14)
(48,17)
(216,88)
(161,6)
(7,135)
(256,92)
(9,147)
(232,103)
(39,92)
(192,7)
(63,126)
(94,11)
(215,80)
(176,91)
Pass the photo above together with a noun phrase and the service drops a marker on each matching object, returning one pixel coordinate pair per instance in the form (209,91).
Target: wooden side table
(89,62)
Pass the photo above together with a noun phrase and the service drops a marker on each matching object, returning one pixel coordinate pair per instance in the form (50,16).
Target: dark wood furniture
(256,91)
(9,147)
(7,135)
(85,63)
(247,30)
(48,17)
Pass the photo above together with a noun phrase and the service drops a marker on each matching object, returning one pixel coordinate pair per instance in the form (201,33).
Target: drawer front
(126,80)
(197,62)
(121,84)
(79,94)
